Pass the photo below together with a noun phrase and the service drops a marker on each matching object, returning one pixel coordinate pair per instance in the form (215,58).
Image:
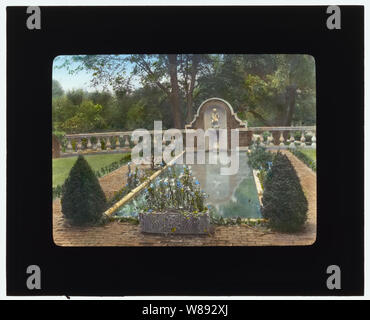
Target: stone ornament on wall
(217,113)
(214,108)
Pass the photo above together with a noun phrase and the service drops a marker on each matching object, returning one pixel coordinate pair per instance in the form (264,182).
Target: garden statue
(215,118)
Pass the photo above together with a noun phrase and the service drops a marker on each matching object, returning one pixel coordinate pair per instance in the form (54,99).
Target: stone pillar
(303,140)
(89,145)
(108,146)
(281,139)
(98,144)
(69,145)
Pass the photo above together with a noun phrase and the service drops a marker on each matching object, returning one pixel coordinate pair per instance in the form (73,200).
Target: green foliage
(57,191)
(311,163)
(224,221)
(87,118)
(78,111)
(264,89)
(259,158)
(284,202)
(76,96)
(83,200)
(132,220)
(258,87)
(57,90)
(62,139)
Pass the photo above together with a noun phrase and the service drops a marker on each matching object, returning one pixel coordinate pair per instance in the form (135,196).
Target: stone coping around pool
(137,190)
(258,185)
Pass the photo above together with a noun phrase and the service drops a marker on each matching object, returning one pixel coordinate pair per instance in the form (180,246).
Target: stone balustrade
(109,142)
(284,137)
(98,142)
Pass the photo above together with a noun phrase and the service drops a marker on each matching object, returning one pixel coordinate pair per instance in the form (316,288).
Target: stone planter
(172,222)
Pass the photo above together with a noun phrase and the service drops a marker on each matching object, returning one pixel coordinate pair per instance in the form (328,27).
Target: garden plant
(284,202)
(83,200)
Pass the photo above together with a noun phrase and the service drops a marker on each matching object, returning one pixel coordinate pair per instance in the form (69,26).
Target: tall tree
(174,74)
(267,89)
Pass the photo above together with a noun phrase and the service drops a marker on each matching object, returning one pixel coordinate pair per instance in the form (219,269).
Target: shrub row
(113,166)
(284,203)
(306,159)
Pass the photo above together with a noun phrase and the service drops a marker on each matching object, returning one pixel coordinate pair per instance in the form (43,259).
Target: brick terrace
(127,234)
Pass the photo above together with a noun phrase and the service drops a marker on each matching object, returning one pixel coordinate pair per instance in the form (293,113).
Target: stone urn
(174,222)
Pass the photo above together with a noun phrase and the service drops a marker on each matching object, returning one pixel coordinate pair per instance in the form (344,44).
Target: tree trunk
(290,99)
(189,98)
(175,97)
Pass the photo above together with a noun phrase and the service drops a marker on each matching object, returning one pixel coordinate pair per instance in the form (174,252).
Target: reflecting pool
(229,195)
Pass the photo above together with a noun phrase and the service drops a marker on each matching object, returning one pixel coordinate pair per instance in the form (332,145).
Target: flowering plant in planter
(175,203)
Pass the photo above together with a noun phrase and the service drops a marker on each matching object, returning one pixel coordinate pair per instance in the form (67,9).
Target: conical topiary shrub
(284,202)
(83,200)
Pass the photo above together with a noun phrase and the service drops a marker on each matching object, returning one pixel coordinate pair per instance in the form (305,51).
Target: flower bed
(174,203)
(170,203)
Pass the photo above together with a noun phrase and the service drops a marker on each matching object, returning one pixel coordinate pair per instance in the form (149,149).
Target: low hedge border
(307,160)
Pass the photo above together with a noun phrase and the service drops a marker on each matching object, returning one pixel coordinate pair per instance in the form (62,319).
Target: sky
(68,81)
(80,80)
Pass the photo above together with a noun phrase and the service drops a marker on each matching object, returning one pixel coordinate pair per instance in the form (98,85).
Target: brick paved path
(127,234)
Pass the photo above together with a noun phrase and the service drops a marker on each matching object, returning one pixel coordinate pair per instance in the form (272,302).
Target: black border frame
(299,270)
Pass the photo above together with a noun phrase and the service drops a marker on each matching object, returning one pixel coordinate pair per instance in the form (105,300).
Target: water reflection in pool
(232,195)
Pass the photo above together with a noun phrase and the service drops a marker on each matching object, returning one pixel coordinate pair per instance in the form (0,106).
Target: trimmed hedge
(284,202)
(83,200)
(113,166)
(306,159)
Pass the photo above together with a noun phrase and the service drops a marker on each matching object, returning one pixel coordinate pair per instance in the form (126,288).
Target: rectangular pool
(230,196)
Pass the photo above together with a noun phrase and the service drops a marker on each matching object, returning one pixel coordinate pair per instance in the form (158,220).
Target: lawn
(62,166)
(311,153)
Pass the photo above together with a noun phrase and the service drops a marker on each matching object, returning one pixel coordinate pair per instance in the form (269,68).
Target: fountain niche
(231,195)
(218,114)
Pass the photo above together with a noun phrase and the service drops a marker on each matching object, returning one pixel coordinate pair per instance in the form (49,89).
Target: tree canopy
(265,90)
(57,89)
